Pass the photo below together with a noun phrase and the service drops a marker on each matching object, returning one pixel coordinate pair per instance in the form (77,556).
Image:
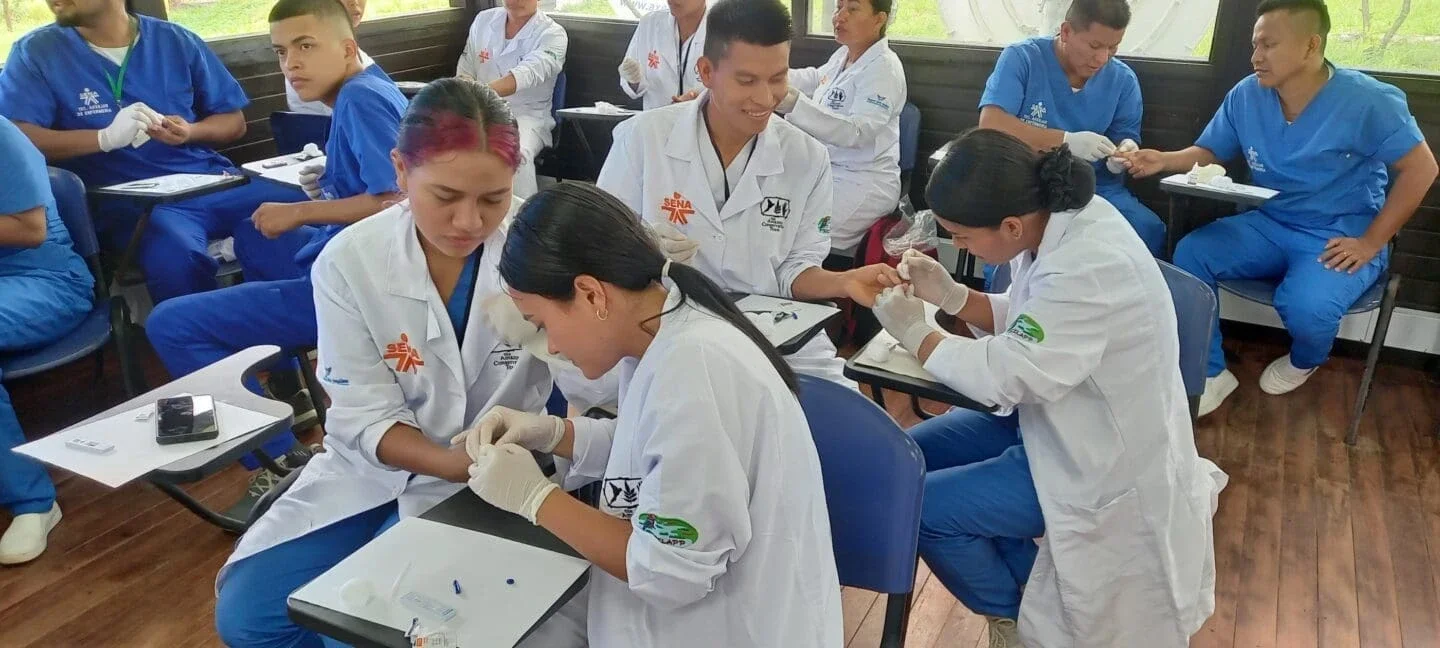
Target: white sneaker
(1003,633)
(26,538)
(1217,389)
(1281,377)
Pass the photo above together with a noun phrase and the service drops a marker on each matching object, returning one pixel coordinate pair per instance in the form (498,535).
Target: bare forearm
(818,283)
(977,311)
(504,86)
(1414,176)
(600,538)
(23,230)
(1184,160)
(1040,139)
(345,210)
(566,448)
(407,448)
(60,145)
(218,129)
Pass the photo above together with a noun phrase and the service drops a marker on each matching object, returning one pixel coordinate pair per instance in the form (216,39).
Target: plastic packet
(914,231)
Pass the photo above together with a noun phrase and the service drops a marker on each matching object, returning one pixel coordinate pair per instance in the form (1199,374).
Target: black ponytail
(989,175)
(575,229)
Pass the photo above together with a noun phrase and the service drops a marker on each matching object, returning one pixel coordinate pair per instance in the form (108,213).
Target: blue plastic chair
(109,316)
(292,131)
(1195,307)
(557,100)
(874,478)
(909,142)
(1380,295)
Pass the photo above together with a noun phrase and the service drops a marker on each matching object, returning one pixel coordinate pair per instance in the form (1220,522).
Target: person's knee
(168,325)
(1309,313)
(241,624)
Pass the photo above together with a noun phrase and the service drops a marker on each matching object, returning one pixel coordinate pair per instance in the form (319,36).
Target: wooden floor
(1317,544)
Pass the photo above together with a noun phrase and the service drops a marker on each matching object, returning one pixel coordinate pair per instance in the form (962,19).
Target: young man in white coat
(519,51)
(660,66)
(744,198)
(852,105)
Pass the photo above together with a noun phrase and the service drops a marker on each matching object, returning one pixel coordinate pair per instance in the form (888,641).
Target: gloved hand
(792,96)
(903,316)
(673,243)
(1089,146)
(129,126)
(508,478)
(502,425)
(310,176)
(1117,164)
(501,315)
(932,282)
(630,71)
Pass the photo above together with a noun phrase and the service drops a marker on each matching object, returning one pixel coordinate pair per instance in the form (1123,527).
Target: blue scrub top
(363,131)
(27,186)
(1029,83)
(54,80)
(1329,166)
(458,306)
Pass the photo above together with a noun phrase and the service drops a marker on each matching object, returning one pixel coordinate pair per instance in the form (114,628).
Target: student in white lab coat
(852,105)
(660,64)
(406,361)
(1091,445)
(760,225)
(356,9)
(519,51)
(713,529)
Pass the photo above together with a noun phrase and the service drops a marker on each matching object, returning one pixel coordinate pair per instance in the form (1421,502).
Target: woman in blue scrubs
(47,291)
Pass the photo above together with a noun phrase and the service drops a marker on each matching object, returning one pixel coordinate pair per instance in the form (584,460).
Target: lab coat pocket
(1105,567)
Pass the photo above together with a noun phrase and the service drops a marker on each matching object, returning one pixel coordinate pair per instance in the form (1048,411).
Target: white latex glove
(508,478)
(310,176)
(501,315)
(502,425)
(932,281)
(1116,164)
(128,127)
(673,243)
(903,316)
(630,71)
(1089,146)
(792,96)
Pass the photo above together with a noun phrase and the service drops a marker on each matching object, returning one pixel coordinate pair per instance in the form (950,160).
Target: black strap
(724,174)
(684,57)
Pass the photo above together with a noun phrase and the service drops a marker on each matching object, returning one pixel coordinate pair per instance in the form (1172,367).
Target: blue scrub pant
(1311,299)
(192,332)
(1146,223)
(250,609)
(980,515)
(174,251)
(35,308)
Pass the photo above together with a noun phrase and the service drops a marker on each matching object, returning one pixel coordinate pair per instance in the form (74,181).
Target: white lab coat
(657,48)
(372,293)
(298,105)
(774,226)
(536,57)
(709,436)
(1089,357)
(855,112)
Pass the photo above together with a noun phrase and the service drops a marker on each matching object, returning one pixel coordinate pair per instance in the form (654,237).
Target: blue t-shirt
(54,80)
(1029,83)
(1329,165)
(363,131)
(27,186)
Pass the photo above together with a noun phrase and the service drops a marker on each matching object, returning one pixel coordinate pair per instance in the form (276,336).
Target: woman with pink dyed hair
(407,357)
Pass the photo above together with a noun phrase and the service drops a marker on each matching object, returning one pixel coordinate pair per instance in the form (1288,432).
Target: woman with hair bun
(1090,447)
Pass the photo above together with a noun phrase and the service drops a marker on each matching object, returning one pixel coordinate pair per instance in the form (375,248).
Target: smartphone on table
(183,419)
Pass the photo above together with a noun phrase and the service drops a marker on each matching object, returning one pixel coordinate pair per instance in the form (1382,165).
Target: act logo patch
(1026,328)
(671,531)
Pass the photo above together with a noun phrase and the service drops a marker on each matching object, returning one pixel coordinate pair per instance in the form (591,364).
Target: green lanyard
(117,82)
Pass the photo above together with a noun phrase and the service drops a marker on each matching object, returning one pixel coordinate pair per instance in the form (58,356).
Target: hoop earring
(602,315)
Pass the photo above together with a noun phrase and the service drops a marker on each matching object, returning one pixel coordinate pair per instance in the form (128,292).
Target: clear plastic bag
(915,231)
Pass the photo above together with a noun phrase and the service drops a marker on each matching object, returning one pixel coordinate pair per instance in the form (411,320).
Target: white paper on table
(170,184)
(897,359)
(290,173)
(1235,188)
(136,451)
(806,316)
(428,557)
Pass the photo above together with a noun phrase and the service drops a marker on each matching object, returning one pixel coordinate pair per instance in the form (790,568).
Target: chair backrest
(74,210)
(1195,306)
(557,100)
(874,478)
(909,135)
(292,131)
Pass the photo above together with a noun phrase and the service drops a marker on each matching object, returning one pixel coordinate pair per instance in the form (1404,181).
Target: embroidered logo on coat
(407,358)
(671,531)
(622,495)
(679,209)
(653,60)
(485,55)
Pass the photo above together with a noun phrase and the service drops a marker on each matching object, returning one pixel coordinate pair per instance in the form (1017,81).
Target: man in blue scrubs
(320,58)
(1329,140)
(1071,89)
(115,98)
(45,292)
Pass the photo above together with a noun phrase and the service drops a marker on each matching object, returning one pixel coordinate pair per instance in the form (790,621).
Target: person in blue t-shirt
(1070,89)
(319,56)
(1329,140)
(116,97)
(45,292)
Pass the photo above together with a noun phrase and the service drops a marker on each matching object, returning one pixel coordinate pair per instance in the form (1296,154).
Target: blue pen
(456,583)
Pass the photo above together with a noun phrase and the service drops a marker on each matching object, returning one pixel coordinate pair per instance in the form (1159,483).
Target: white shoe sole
(18,559)
(1226,391)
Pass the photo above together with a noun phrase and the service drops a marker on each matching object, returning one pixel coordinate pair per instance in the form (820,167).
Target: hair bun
(1066,182)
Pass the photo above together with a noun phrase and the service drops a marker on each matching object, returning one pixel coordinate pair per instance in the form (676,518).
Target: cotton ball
(880,353)
(357,592)
(1223,182)
(1204,174)
(311,150)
